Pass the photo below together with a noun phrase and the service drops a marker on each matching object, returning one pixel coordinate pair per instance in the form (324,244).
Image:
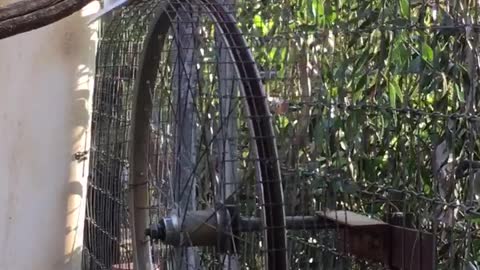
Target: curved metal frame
(260,123)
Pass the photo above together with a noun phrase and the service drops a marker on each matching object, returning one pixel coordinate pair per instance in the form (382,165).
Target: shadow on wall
(80,44)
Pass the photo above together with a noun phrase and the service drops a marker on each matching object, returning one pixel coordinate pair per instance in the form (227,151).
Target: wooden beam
(29,15)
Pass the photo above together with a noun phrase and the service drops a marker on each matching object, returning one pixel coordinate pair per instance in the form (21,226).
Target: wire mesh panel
(107,237)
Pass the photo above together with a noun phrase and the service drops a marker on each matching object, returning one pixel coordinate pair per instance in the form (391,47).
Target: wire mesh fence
(107,237)
(374,110)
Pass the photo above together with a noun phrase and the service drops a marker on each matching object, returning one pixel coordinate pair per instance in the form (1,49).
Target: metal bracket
(377,241)
(80,156)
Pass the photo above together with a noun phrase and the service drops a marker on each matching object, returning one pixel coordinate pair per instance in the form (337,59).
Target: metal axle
(210,227)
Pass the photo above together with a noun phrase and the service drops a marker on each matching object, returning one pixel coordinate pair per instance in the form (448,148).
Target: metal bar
(269,178)
(227,91)
(196,220)
(184,86)
(254,224)
(140,129)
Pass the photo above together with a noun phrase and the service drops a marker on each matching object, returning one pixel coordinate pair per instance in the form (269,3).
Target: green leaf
(460,94)
(261,25)
(404,8)
(283,121)
(427,189)
(398,90)
(399,53)
(392,95)
(272,54)
(318,8)
(257,21)
(361,83)
(427,53)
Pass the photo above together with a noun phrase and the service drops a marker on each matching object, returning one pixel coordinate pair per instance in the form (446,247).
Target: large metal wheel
(203,158)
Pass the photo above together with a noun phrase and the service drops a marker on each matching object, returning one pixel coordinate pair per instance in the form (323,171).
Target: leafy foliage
(373,88)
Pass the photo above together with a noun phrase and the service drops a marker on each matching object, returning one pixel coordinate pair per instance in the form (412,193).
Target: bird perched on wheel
(109,7)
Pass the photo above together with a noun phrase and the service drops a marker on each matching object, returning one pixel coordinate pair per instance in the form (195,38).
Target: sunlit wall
(46,81)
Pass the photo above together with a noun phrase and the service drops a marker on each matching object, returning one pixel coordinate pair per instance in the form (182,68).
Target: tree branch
(28,15)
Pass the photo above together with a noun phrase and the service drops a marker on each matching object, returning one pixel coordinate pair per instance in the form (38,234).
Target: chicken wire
(107,237)
(375,111)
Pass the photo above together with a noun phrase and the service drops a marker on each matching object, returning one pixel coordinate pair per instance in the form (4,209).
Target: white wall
(45,95)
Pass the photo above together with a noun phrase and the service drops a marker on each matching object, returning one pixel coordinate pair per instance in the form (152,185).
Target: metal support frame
(366,238)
